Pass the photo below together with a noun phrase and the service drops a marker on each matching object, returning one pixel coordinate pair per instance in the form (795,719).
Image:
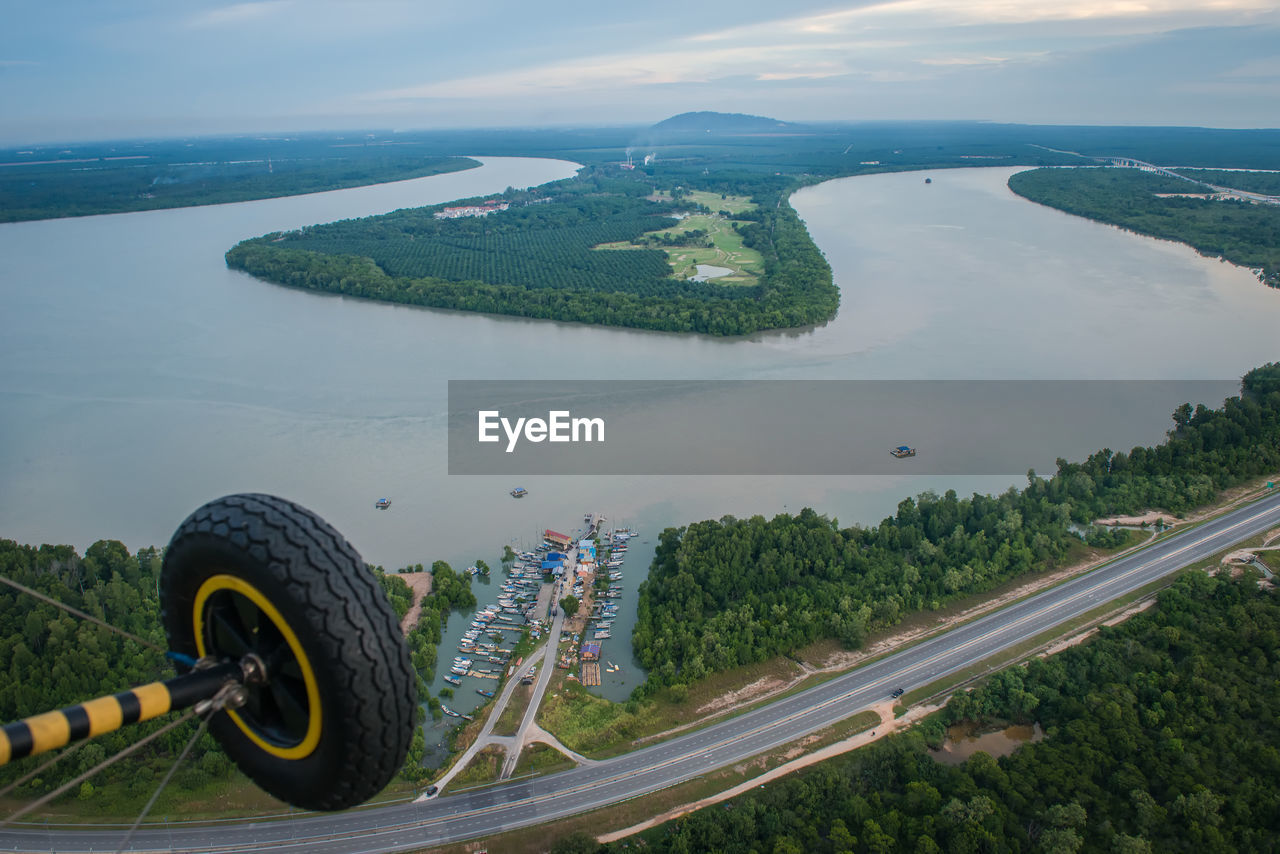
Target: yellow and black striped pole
(52,730)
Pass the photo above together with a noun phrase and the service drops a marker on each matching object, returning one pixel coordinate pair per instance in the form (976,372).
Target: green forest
(729,592)
(51,659)
(100,179)
(1160,736)
(1252,182)
(547,245)
(1241,232)
(536,259)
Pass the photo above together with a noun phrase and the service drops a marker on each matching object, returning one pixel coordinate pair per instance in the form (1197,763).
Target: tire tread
(348,616)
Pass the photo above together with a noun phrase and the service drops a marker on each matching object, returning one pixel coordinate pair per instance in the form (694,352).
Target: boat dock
(590,673)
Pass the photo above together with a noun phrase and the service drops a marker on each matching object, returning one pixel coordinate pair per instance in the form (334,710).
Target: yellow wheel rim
(221,588)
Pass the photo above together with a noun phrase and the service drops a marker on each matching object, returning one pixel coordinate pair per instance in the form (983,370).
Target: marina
(520,601)
(599,584)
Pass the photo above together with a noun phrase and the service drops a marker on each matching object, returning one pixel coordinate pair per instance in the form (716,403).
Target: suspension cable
(110,760)
(204,723)
(40,770)
(81,614)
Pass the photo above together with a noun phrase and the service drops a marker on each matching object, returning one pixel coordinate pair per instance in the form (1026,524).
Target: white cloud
(964,60)
(1258,68)
(689,65)
(880,41)
(237,13)
(1159,14)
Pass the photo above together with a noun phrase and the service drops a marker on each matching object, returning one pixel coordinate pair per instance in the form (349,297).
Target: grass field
(726,249)
(484,768)
(509,721)
(590,724)
(542,759)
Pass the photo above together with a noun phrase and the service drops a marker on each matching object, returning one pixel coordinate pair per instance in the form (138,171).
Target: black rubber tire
(346,628)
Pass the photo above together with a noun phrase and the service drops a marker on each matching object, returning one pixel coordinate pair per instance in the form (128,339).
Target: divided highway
(521,804)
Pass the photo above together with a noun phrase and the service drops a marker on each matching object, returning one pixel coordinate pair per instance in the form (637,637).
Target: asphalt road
(521,804)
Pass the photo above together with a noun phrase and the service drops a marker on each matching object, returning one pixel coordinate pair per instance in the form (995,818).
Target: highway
(519,804)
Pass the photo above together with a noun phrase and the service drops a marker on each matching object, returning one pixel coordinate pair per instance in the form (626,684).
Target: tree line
(104,186)
(729,592)
(1242,233)
(450,591)
(1160,736)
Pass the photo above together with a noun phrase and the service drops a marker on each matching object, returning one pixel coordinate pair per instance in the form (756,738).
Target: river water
(139,377)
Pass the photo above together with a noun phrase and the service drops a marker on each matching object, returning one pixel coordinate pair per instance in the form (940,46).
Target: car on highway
(432,791)
(898,693)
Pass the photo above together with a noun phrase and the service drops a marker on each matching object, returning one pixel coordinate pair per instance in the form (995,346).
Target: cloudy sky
(88,69)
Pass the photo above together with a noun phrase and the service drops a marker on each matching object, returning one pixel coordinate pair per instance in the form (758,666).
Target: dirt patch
(1151,517)
(800,748)
(577,624)
(887,725)
(762,687)
(1144,605)
(420,584)
(845,659)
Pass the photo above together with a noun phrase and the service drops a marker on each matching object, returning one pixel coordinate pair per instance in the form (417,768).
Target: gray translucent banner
(804,427)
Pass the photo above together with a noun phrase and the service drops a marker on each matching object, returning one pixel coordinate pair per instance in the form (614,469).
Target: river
(139,377)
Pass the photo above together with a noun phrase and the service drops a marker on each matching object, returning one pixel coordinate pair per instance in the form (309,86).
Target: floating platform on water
(591,673)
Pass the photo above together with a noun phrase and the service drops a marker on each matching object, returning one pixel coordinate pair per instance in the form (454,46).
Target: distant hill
(720,123)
